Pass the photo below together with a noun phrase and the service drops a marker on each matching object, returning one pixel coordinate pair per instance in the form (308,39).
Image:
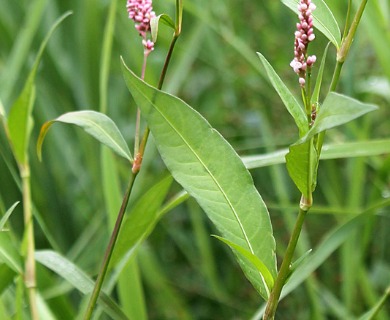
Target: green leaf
(166,19)
(336,110)
(75,276)
(302,162)
(316,92)
(373,313)
(329,151)
(323,19)
(251,258)
(139,223)
(209,170)
(7,277)
(292,105)
(97,124)
(9,254)
(7,215)
(20,121)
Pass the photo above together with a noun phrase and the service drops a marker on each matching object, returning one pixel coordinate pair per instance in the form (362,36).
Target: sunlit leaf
(323,19)
(20,121)
(75,276)
(210,170)
(292,105)
(97,124)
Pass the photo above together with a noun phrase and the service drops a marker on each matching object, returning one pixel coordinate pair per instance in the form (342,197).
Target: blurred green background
(185,273)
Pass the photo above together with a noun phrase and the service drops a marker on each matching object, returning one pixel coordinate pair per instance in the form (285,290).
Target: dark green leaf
(323,18)
(9,253)
(97,124)
(210,170)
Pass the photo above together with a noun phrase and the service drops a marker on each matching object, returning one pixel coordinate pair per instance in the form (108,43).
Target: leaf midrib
(208,171)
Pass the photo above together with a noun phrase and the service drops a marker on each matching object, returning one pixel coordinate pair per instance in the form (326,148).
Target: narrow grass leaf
(7,276)
(9,253)
(20,121)
(245,254)
(97,124)
(75,276)
(329,151)
(336,110)
(323,19)
(372,314)
(201,160)
(7,215)
(140,221)
(292,105)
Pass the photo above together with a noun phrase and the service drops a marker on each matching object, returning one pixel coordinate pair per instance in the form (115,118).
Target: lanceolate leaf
(287,97)
(210,170)
(323,18)
(336,110)
(97,125)
(20,122)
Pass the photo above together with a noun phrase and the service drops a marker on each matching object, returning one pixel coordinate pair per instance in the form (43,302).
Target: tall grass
(180,272)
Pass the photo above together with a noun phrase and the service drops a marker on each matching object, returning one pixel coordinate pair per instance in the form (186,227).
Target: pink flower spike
(303,36)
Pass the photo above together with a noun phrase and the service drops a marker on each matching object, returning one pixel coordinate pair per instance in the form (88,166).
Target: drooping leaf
(336,110)
(97,124)
(20,122)
(77,278)
(140,221)
(302,162)
(329,151)
(210,170)
(292,105)
(323,19)
(245,254)
(7,215)
(164,18)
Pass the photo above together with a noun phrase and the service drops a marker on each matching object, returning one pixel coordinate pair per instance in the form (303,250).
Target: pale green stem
(30,274)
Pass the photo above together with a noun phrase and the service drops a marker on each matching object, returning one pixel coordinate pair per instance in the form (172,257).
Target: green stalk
(284,271)
(135,170)
(30,274)
(110,249)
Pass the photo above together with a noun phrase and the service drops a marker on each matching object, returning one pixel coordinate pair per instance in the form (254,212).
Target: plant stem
(30,274)
(110,249)
(284,271)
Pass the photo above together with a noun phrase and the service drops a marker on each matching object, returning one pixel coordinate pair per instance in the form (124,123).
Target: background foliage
(185,273)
